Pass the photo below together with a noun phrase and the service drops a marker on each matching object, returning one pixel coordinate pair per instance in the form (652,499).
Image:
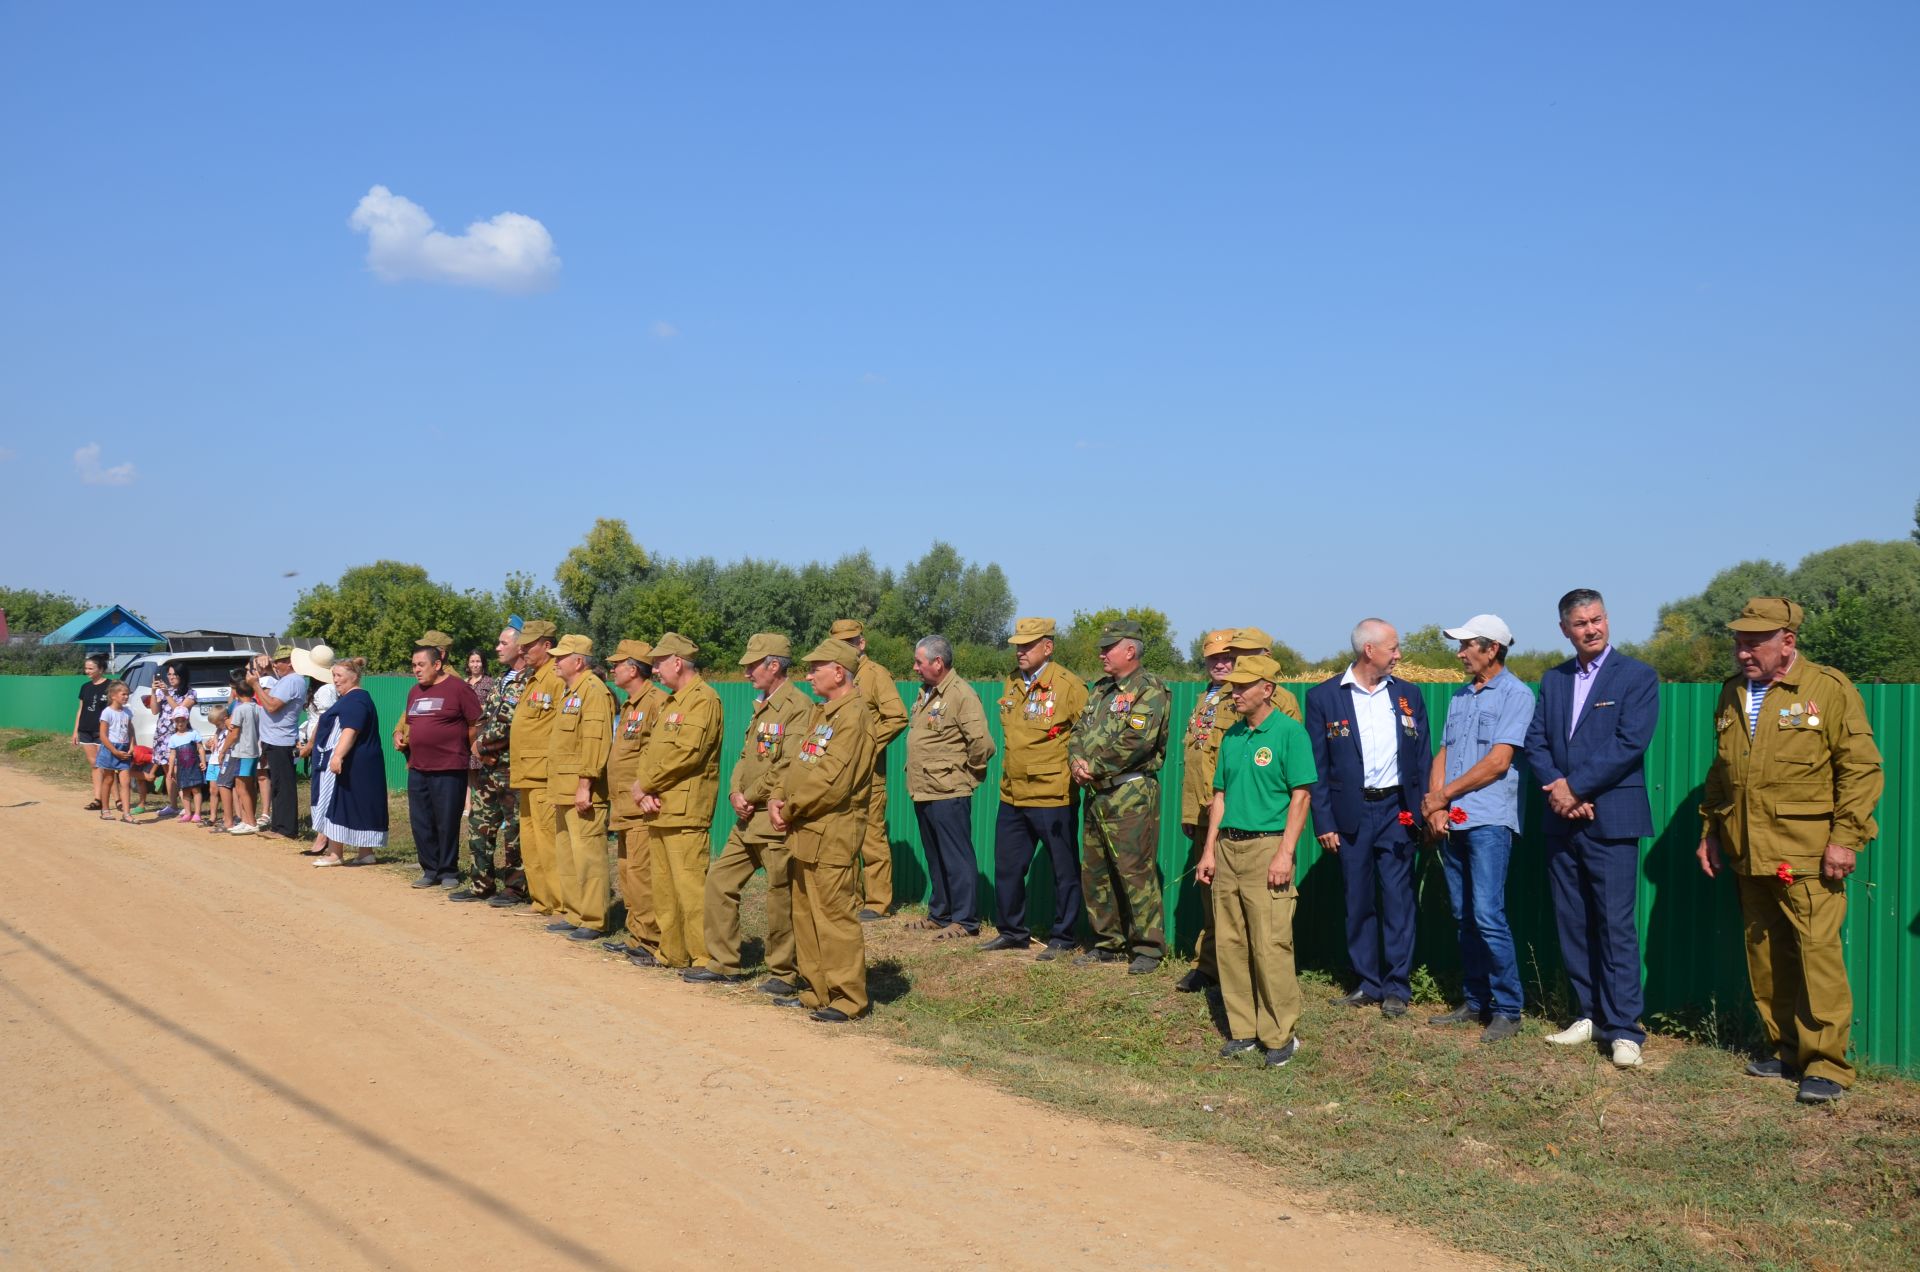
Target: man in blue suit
(1587,746)
(1371,751)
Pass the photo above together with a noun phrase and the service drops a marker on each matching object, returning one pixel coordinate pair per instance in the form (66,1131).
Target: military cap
(283,654)
(846,629)
(1121,629)
(1028,630)
(638,650)
(673,644)
(574,643)
(1250,669)
(1217,643)
(435,640)
(536,629)
(1248,639)
(1768,614)
(765,645)
(835,651)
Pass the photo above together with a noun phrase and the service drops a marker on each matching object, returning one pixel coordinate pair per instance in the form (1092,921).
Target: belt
(1122,780)
(1233,833)
(1374,794)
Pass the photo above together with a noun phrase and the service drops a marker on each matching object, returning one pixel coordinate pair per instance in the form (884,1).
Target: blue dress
(354,812)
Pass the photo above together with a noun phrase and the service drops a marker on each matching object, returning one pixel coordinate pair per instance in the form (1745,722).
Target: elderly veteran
(1115,754)
(1039,705)
(821,806)
(496,874)
(1213,715)
(529,742)
(773,736)
(1251,641)
(1262,791)
(676,786)
(577,788)
(948,746)
(633,675)
(875,684)
(1789,804)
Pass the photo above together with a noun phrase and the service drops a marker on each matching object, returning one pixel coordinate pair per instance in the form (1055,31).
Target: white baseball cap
(1484,626)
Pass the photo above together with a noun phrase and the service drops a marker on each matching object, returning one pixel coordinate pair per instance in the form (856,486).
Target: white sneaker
(1574,1034)
(1626,1055)
(243,828)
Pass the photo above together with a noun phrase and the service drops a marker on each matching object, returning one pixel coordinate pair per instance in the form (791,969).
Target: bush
(42,660)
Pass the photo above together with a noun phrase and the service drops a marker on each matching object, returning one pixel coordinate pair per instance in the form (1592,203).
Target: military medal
(1813,713)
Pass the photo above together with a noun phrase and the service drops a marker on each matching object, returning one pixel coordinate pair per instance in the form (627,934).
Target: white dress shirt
(1374,724)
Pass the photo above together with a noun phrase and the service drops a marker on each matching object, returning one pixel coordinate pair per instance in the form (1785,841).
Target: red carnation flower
(1406,818)
(1457,815)
(1784,873)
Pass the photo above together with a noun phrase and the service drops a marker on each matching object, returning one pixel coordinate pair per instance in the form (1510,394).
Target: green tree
(35,612)
(942,593)
(666,604)
(378,611)
(851,587)
(1078,648)
(1869,636)
(599,565)
(524,596)
(1691,641)
(1889,569)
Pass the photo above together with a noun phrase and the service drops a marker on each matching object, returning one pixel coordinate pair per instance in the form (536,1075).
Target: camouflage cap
(1028,630)
(574,643)
(1248,639)
(674,645)
(1769,614)
(765,645)
(434,640)
(1253,668)
(283,654)
(1121,629)
(1216,643)
(835,651)
(536,629)
(638,650)
(846,629)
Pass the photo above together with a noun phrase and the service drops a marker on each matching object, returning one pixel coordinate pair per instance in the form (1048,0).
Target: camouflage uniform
(493,816)
(1122,737)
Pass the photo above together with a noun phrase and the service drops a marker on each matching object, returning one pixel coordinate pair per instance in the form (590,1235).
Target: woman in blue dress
(353,811)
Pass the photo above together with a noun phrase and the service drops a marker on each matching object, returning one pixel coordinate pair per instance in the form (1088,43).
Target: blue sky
(1272,313)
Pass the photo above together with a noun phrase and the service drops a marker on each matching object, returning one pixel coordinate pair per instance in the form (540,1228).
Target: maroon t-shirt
(437,720)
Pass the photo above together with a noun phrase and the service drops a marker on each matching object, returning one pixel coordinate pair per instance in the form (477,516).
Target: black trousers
(284,816)
(434,805)
(946,835)
(1015,834)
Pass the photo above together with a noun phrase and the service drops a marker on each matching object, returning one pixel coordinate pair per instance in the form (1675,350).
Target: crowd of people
(546,766)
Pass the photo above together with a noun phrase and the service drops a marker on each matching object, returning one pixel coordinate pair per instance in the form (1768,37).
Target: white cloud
(87,461)
(511,253)
(663,330)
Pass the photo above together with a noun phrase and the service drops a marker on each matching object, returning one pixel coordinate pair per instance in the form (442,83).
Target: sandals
(952,932)
(329,860)
(93,805)
(923,925)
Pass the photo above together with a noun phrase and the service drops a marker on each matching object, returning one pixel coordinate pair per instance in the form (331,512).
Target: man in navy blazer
(1372,754)
(1587,746)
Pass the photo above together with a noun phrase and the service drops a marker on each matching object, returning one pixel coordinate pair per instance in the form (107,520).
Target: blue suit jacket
(1342,776)
(1603,761)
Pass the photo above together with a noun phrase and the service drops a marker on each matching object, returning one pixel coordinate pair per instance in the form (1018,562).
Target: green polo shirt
(1259,769)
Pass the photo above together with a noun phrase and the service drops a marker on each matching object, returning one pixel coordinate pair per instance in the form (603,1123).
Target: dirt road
(215,1056)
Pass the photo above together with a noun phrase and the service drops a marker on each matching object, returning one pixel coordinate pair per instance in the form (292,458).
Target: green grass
(1545,1156)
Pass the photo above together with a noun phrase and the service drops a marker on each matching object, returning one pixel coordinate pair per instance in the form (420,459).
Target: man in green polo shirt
(1260,798)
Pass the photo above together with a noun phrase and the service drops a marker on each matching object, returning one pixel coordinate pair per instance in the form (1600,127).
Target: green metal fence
(1689,926)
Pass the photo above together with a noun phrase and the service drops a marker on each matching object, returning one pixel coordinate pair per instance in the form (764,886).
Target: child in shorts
(187,764)
(242,759)
(114,759)
(219,785)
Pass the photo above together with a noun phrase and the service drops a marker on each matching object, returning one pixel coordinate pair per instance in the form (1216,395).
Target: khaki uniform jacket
(582,739)
(827,786)
(889,713)
(1123,729)
(773,736)
(1035,722)
(531,737)
(681,762)
(1212,716)
(948,744)
(630,730)
(1781,796)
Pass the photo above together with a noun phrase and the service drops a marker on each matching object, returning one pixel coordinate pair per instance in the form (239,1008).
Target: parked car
(207,675)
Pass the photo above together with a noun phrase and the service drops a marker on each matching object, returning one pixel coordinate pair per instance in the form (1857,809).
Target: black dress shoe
(1819,1091)
(1092,957)
(616,946)
(505,901)
(778,987)
(1772,1068)
(1143,965)
(707,976)
(1501,1028)
(1393,1008)
(831,1016)
(788,1002)
(1194,982)
(1355,999)
(869,916)
(641,958)
(467,894)
(1461,1015)
(1053,952)
(1004,943)
(585,934)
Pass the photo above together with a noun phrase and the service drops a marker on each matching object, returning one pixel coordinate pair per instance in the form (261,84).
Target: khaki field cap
(1768,614)
(1028,630)
(1253,668)
(765,645)
(846,629)
(435,640)
(1247,639)
(835,651)
(638,650)
(672,644)
(536,629)
(1485,627)
(574,643)
(1121,629)
(316,663)
(1217,643)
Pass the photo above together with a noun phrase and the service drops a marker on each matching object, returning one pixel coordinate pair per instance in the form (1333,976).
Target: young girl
(219,765)
(113,761)
(187,765)
(242,759)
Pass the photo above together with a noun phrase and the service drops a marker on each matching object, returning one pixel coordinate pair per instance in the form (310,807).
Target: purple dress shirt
(1583,678)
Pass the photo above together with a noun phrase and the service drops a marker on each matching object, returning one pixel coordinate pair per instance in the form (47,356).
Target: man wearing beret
(577,787)
(633,675)
(821,806)
(875,684)
(495,873)
(676,786)
(1789,805)
(1115,756)
(773,735)
(529,742)
(1039,706)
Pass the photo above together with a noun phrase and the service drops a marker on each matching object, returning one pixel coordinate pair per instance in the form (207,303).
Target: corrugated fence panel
(1690,925)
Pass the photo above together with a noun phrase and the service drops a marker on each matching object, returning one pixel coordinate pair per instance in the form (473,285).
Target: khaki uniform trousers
(726,879)
(536,849)
(828,943)
(636,889)
(580,865)
(679,885)
(1253,934)
(876,850)
(1203,954)
(1798,968)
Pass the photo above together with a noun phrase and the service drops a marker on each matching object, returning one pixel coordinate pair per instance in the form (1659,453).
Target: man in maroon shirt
(437,738)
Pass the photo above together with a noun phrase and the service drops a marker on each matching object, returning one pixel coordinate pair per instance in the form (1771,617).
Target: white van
(207,674)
